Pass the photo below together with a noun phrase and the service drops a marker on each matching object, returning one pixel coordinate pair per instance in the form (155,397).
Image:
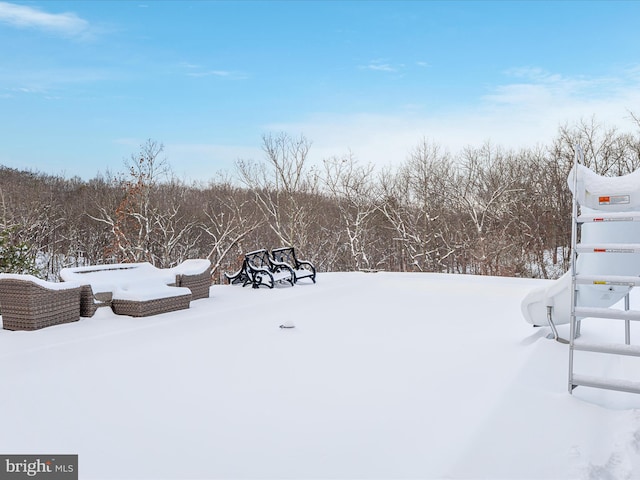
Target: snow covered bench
(301,268)
(239,276)
(260,269)
(104,284)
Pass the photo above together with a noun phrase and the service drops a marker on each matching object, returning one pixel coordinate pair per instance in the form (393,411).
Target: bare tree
(141,230)
(483,189)
(350,186)
(229,218)
(606,150)
(484,211)
(282,185)
(417,205)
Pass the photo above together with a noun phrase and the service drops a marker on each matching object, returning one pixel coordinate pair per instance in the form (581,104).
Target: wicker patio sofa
(29,303)
(102,281)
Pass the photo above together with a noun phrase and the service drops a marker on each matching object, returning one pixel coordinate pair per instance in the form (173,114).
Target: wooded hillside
(486,210)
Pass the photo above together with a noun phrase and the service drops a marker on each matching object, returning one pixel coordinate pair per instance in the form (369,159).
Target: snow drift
(385,375)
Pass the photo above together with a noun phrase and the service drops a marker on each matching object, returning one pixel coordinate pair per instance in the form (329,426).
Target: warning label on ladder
(613,199)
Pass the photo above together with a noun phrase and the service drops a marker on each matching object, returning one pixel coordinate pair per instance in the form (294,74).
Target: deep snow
(385,375)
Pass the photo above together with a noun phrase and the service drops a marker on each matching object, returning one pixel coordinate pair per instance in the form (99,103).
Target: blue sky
(84,83)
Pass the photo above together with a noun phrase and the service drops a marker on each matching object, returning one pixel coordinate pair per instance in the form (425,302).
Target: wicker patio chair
(189,276)
(29,303)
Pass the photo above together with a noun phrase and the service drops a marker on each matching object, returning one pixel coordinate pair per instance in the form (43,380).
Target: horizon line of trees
(486,211)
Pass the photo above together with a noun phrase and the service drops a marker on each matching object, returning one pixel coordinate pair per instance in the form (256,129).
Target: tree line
(486,210)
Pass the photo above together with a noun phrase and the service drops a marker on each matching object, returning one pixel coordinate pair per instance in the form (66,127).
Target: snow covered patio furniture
(90,302)
(194,274)
(261,269)
(239,276)
(150,300)
(301,268)
(29,303)
(140,289)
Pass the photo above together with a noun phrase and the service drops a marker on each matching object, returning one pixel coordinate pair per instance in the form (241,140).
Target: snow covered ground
(386,375)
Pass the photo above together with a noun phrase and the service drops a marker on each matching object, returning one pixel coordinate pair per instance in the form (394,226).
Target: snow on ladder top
(602,193)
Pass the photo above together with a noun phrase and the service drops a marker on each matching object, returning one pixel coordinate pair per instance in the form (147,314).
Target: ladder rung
(608,248)
(609,384)
(613,348)
(607,313)
(626,281)
(609,217)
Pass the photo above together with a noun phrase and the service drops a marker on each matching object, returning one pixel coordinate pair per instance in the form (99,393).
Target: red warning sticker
(613,199)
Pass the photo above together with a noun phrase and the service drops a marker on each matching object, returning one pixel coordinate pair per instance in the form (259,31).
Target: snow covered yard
(386,375)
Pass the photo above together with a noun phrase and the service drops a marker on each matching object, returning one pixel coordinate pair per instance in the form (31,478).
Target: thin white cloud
(21,16)
(380,65)
(37,82)
(545,92)
(211,73)
(191,66)
(198,71)
(197,161)
(532,73)
(515,115)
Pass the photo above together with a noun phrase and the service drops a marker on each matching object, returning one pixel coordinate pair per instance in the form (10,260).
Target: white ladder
(579,312)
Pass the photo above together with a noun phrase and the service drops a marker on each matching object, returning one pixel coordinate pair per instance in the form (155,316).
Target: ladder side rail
(574,241)
(627,323)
